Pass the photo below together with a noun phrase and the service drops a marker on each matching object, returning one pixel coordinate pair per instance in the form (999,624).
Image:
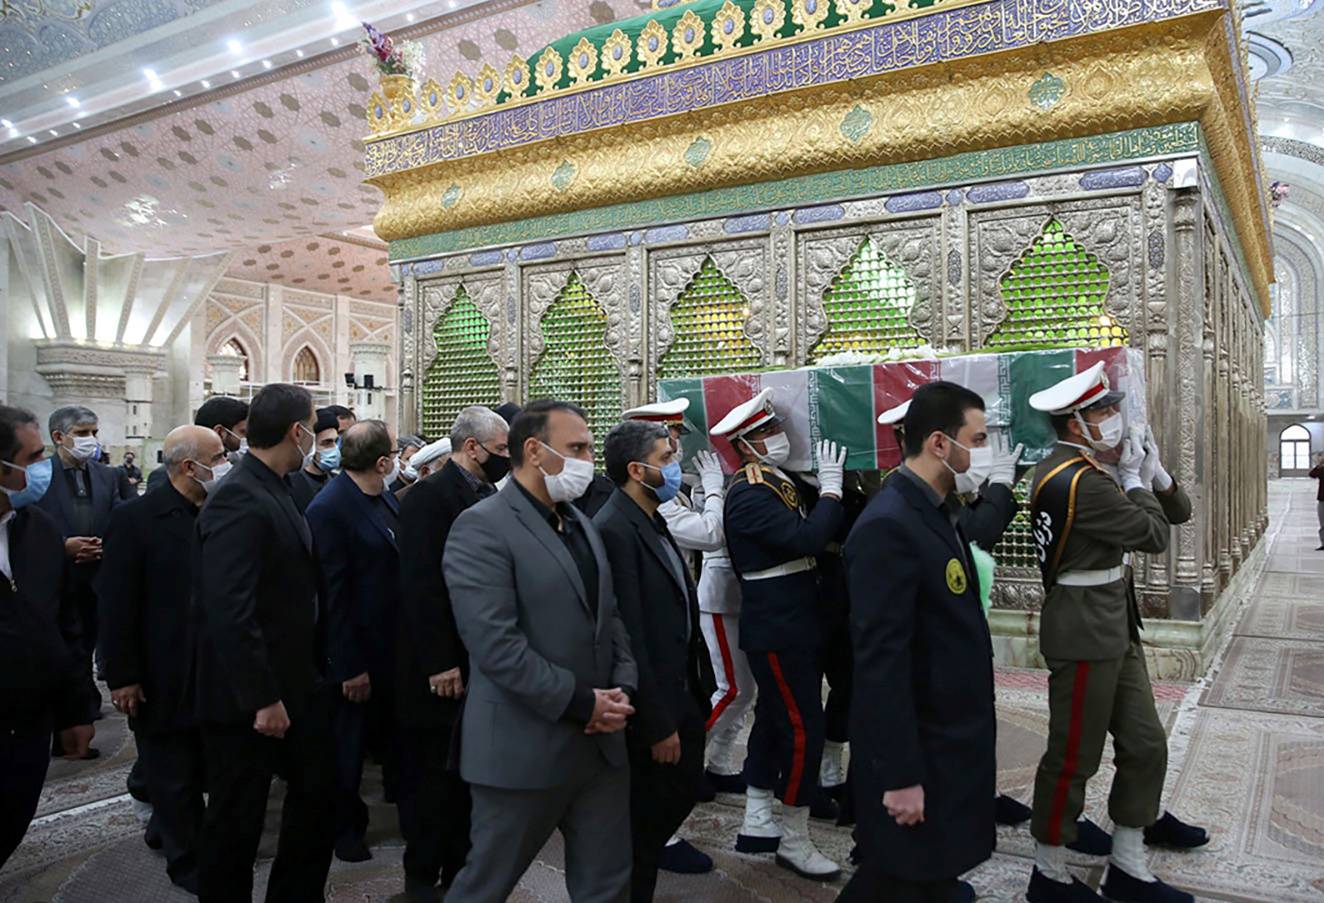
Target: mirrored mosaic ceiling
(319,263)
(263,166)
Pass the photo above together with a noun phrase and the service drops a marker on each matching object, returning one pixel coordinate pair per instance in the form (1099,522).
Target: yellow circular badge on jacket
(956,581)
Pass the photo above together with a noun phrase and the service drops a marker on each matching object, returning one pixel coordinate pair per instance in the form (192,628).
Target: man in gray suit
(551,671)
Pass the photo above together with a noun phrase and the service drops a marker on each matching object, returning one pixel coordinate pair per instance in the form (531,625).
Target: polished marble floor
(1247,760)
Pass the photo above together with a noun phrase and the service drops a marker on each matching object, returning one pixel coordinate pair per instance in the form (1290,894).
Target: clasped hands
(610,710)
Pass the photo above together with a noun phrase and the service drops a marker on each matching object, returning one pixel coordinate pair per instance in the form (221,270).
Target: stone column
(369,360)
(225,372)
(138,403)
(406,399)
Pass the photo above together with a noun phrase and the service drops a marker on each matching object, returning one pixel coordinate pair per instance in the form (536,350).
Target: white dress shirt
(5,567)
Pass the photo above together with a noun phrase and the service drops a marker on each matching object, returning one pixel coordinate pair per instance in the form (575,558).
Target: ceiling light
(266,64)
(343,18)
(206,84)
(13,132)
(179,93)
(234,73)
(54,134)
(409,17)
(335,42)
(153,79)
(31,140)
(299,54)
(235,47)
(6,123)
(71,101)
(77,125)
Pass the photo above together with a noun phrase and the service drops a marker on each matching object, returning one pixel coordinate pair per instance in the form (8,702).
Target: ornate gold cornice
(1158,73)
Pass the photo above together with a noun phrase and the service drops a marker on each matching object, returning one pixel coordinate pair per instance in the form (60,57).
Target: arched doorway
(1294,451)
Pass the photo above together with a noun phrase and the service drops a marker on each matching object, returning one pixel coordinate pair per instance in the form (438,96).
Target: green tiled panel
(576,365)
(709,321)
(1055,297)
(868,307)
(462,373)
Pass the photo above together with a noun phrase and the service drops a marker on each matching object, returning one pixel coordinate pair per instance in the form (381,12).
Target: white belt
(1091,578)
(782,570)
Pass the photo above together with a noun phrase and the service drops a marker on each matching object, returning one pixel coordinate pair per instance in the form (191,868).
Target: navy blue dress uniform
(923,711)
(772,544)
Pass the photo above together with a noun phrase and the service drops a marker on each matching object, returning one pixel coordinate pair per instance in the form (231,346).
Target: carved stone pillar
(369,360)
(1186,419)
(138,402)
(406,401)
(226,370)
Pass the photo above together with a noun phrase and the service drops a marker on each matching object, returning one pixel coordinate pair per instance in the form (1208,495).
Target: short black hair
(938,406)
(532,422)
(632,440)
(221,411)
(326,420)
(363,444)
(336,410)
(275,408)
(1059,422)
(10,421)
(508,411)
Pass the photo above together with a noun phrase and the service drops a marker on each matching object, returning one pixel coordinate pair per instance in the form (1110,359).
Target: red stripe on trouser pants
(797,728)
(1063,787)
(728,669)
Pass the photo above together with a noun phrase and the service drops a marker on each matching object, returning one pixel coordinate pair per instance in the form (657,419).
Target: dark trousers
(173,770)
(870,884)
(661,798)
(24,758)
(786,742)
(350,727)
(837,664)
(434,806)
(240,765)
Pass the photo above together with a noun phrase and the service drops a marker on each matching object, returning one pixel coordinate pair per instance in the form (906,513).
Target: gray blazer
(523,614)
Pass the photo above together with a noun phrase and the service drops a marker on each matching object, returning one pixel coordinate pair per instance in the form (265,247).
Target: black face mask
(495,467)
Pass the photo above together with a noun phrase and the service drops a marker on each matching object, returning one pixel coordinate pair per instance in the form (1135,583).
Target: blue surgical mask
(670,481)
(328,459)
(39,480)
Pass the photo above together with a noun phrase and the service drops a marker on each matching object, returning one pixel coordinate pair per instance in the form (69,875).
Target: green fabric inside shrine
(706,10)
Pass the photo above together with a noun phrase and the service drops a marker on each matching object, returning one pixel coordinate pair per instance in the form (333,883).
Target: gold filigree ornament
(767,18)
(652,45)
(809,14)
(853,11)
(517,77)
(728,26)
(687,36)
(583,61)
(460,93)
(432,98)
(616,53)
(379,114)
(487,86)
(548,71)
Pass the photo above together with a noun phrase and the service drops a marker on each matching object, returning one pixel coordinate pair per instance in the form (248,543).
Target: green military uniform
(1089,633)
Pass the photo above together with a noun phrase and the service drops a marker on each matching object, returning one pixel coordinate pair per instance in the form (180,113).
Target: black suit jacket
(356,549)
(144,595)
(44,680)
(595,496)
(986,518)
(661,614)
(428,640)
(58,500)
(304,487)
(256,587)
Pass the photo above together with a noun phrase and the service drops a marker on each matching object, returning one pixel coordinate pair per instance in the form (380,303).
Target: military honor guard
(923,725)
(1087,517)
(772,544)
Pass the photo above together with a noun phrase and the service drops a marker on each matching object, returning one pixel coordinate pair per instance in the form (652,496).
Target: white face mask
(410,474)
(312,448)
(778,450)
(981,462)
(217,474)
(243,446)
(1111,429)
(573,480)
(85,447)
(393,473)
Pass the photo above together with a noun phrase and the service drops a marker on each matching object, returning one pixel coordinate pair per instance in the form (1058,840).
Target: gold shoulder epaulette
(753,474)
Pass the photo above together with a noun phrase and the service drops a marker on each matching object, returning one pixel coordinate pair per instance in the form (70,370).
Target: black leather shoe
(682,858)
(1046,890)
(352,849)
(956,892)
(420,890)
(1121,887)
(1091,839)
(1170,831)
(704,792)
(152,838)
(188,882)
(824,808)
(726,783)
(838,792)
(1010,811)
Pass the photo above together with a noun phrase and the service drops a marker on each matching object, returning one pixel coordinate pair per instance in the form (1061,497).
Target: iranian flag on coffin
(842,404)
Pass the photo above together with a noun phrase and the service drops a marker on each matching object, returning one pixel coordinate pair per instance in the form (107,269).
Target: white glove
(709,468)
(1003,469)
(1132,459)
(831,468)
(1162,480)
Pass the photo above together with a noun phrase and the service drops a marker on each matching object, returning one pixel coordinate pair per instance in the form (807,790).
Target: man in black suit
(355,522)
(44,678)
(317,471)
(660,607)
(261,699)
(923,725)
(144,590)
(228,419)
(432,664)
(82,493)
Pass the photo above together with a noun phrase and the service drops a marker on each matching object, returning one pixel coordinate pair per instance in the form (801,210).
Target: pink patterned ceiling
(267,165)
